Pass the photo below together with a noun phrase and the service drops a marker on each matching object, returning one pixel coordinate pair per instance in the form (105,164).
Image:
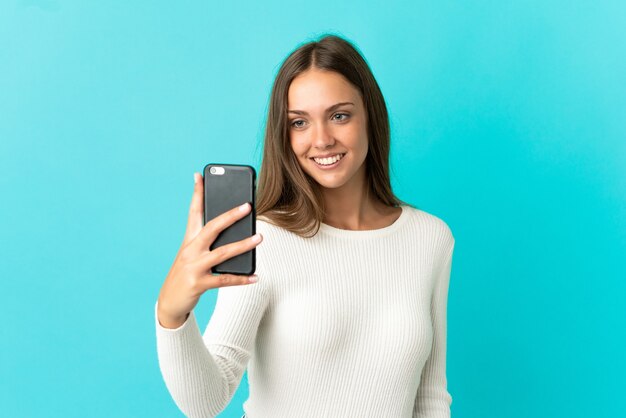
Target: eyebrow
(330,109)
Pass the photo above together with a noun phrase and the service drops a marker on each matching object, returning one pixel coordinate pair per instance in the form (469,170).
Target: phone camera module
(217,170)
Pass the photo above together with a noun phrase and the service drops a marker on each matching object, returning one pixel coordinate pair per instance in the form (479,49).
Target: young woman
(348,316)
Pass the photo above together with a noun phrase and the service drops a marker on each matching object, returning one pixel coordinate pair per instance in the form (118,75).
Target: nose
(323,137)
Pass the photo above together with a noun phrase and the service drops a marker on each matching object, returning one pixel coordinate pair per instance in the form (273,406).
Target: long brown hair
(286,195)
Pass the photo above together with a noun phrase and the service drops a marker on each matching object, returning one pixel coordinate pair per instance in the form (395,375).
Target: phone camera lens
(217,170)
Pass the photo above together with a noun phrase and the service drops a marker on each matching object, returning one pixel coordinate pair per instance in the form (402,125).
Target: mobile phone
(227,186)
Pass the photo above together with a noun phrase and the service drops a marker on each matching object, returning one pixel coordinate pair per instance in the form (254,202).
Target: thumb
(196,209)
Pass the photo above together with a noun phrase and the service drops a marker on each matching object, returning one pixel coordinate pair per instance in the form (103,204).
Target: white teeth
(328,161)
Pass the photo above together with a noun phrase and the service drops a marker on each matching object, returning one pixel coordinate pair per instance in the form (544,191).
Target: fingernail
(195,178)
(256,237)
(244,207)
(253,279)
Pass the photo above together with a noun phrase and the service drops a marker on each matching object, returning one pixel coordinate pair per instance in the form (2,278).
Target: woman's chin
(330,183)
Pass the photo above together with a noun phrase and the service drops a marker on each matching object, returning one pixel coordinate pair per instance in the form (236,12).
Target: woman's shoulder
(430,221)
(263,224)
(266,227)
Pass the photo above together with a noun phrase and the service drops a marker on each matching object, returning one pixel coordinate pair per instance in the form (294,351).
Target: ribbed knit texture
(344,324)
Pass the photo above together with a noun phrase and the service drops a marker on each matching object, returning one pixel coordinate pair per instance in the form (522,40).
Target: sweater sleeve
(202,372)
(433,399)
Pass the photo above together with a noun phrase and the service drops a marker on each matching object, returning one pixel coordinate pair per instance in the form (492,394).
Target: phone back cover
(223,192)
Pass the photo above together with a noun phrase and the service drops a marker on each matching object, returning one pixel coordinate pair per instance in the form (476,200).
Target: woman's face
(319,126)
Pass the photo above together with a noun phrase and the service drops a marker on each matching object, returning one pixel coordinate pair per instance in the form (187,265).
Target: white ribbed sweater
(344,324)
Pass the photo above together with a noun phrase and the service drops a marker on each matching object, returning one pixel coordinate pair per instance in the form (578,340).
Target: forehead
(320,88)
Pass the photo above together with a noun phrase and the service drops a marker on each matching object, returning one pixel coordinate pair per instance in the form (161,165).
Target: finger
(220,254)
(215,226)
(196,210)
(223,280)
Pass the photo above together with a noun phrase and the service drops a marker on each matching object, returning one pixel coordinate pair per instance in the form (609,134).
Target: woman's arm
(202,373)
(433,399)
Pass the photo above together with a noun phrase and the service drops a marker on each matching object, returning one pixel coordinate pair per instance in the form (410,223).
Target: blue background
(508,122)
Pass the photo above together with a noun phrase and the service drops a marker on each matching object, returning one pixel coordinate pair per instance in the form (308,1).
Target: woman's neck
(356,211)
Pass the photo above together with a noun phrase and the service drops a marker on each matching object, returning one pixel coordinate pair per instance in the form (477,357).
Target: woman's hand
(190,275)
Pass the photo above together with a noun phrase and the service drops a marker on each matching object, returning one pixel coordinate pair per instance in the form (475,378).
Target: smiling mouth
(329,160)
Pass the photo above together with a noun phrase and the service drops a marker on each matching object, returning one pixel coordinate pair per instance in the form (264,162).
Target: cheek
(298,145)
(358,139)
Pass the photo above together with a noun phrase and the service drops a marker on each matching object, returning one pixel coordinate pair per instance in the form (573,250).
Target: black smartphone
(227,186)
